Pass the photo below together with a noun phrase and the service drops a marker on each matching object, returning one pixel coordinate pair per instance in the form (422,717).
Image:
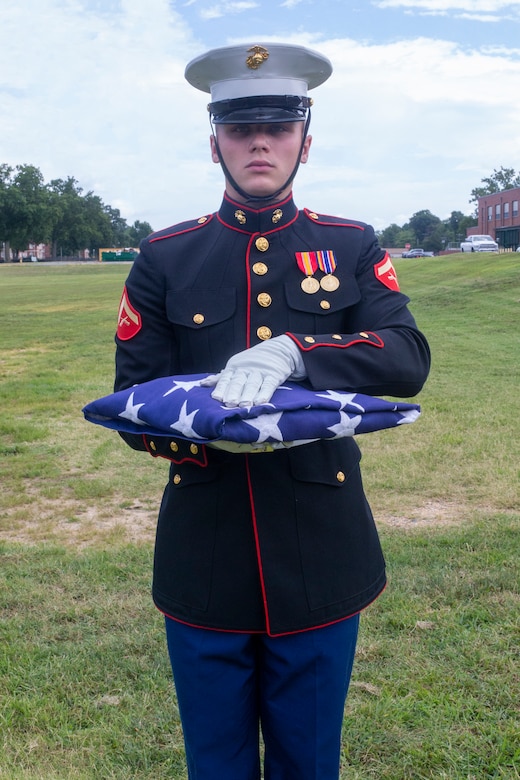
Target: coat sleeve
(383,352)
(145,345)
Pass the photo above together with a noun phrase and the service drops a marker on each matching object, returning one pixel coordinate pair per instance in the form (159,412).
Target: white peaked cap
(250,70)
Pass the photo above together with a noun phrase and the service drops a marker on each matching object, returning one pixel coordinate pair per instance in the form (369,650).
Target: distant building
(499,217)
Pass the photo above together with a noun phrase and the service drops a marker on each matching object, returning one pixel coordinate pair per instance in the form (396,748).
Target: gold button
(264,333)
(364,335)
(260,269)
(194,449)
(262,244)
(198,319)
(309,340)
(325,304)
(152,446)
(264,299)
(337,336)
(176,479)
(202,220)
(340,476)
(174,446)
(312,215)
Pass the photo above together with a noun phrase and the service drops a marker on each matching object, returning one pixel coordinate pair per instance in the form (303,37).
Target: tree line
(432,234)
(59,213)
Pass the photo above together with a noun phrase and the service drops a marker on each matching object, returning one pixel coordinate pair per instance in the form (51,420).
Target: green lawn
(85,688)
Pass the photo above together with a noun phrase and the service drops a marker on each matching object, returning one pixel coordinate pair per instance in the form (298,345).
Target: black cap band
(260,109)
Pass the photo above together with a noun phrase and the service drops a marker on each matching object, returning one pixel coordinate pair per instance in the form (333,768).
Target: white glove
(251,377)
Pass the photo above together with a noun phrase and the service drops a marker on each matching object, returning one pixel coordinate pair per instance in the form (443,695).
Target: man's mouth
(259,164)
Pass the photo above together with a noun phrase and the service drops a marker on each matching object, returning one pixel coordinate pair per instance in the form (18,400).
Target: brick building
(499,217)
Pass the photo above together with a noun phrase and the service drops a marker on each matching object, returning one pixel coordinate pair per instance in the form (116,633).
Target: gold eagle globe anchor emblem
(257,57)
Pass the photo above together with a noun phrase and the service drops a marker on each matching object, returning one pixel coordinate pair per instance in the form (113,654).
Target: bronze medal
(310,285)
(329,283)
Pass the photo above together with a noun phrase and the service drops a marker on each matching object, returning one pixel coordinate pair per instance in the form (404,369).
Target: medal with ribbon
(308,264)
(327,263)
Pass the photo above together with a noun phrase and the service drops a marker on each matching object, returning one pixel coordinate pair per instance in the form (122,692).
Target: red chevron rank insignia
(129,320)
(385,273)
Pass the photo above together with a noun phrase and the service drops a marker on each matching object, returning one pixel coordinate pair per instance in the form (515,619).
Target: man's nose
(259,140)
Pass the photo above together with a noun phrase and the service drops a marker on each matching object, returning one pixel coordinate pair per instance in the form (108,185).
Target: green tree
(422,224)
(501,179)
(69,231)
(25,206)
(138,231)
(120,230)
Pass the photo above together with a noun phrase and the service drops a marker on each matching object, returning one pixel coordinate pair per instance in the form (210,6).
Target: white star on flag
(131,410)
(267,427)
(185,422)
(346,426)
(341,398)
(187,386)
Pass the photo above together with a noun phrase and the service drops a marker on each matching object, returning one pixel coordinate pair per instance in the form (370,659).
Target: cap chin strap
(272,196)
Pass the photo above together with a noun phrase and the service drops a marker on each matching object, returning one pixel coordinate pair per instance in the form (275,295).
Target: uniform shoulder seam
(181,228)
(328,220)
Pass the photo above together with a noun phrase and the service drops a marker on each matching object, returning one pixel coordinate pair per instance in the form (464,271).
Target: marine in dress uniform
(263,561)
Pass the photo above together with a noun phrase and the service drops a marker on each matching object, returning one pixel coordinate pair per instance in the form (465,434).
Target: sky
(423,102)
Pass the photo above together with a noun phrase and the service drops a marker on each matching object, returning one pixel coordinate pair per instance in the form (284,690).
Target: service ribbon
(326,261)
(307,262)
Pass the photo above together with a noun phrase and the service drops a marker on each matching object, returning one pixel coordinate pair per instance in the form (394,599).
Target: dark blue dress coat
(278,541)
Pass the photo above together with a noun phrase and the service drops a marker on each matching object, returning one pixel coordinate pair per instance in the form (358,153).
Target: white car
(479,244)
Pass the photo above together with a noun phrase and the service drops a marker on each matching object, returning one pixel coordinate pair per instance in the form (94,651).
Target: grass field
(85,689)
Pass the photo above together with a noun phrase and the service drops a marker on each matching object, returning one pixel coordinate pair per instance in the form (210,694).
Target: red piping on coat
(248,283)
(379,343)
(257,546)
(284,633)
(207,220)
(197,461)
(320,221)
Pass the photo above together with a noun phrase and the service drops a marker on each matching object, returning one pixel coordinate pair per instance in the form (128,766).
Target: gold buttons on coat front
(309,340)
(340,476)
(264,299)
(153,446)
(337,336)
(325,304)
(198,319)
(260,269)
(194,449)
(262,244)
(176,479)
(174,446)
(264,333)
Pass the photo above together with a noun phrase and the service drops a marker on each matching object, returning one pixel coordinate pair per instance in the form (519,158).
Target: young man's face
(260,157)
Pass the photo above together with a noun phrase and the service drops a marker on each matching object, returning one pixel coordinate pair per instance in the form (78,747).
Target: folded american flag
(178,406)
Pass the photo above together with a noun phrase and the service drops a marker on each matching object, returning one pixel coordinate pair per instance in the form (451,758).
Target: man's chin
(264,189)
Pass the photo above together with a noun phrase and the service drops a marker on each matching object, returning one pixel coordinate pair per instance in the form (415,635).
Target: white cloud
(225,9)
(97,91)
(473,6)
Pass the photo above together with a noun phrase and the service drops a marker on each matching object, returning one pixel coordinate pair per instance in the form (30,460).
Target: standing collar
(249,220)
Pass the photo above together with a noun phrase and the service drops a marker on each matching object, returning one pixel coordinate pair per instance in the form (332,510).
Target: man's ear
(306,148)
(213,147)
